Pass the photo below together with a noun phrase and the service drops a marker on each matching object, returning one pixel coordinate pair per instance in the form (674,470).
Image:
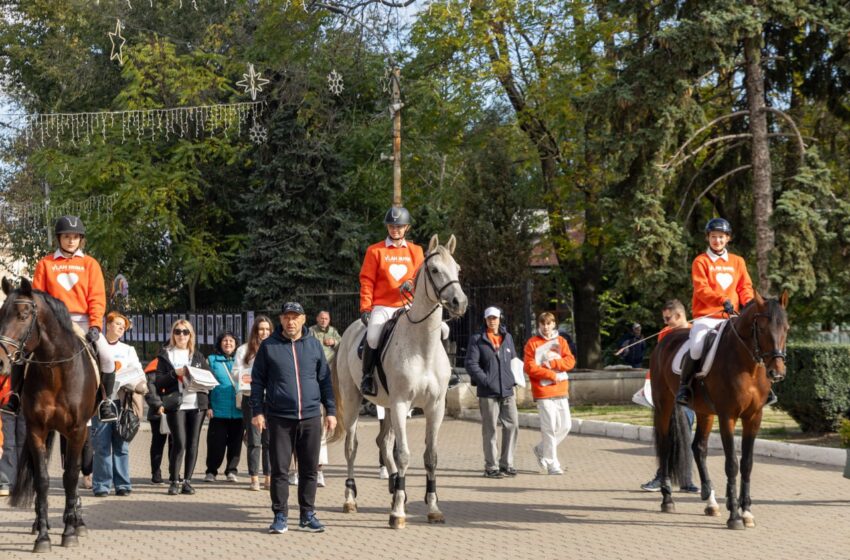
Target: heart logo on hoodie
(67,280)
(398,271)
(724,279)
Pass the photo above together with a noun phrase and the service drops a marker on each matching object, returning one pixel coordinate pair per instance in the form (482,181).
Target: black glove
(364,318)
(407,286)
(93,334)
(728,308)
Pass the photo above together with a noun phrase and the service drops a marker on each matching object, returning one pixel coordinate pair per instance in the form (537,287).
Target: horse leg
(664,448)
(38,449)
(72,516)
(700,450)
(351,409)
(727,435)
(751,428)
(433,420)
(398,412)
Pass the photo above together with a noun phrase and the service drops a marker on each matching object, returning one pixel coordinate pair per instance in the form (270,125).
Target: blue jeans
(111,458)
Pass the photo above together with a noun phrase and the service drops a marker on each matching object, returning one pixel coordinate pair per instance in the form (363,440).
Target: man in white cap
(488,362)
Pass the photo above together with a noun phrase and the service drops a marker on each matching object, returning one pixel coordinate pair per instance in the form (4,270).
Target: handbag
(172,401)
(128,421)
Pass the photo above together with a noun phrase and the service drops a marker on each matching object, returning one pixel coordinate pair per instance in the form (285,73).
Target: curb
(765,448)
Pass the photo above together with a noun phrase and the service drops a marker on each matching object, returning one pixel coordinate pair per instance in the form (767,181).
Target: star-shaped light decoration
(117,35)
(252,82)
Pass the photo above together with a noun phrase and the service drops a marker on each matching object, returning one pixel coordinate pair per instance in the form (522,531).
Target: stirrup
(684,396)
(108,413)
(12,406)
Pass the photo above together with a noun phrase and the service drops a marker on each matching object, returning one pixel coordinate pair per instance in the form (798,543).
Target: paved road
(595,510)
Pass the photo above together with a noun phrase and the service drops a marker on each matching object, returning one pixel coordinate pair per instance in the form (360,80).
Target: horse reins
(17,357)
(757,355)
(439,292)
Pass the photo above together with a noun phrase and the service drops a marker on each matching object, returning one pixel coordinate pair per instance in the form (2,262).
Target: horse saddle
(709,350)
(386,333)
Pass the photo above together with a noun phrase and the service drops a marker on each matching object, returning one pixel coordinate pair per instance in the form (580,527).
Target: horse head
(441,273)
(769,332)
(18,324)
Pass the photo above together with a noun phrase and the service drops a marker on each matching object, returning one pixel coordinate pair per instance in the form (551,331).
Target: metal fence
(151,330)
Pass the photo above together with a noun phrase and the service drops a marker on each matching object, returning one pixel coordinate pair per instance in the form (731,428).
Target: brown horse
(750,356)
(59,394)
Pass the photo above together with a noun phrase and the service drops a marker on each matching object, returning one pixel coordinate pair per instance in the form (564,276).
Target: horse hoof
(70,541)
(437,517)
(735,524)
(712,511)
(668,508)
(749,520)
(349,507)
(41,546)
(397,522)
(82,531)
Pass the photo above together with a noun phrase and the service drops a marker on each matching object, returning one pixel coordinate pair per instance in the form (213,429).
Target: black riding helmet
(397,216)
(70,224)
(718,224)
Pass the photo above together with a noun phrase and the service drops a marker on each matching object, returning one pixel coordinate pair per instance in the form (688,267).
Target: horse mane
(60,311)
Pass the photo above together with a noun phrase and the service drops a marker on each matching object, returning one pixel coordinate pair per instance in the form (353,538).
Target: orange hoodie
(537,373)
(77,282)
(384,269)
(719,280)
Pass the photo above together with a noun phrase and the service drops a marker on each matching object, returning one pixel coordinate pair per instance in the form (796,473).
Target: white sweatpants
(104,350)
(697,335)
(380,315)
(555,424)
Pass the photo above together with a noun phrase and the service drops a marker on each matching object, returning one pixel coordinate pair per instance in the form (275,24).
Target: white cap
(492,312)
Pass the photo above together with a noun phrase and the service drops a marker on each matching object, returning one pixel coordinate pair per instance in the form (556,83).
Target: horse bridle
(439,296)
(17,357)
(755,352)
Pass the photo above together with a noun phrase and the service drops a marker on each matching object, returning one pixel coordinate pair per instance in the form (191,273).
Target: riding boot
(685,394)
(771,399)
(367,385)
(106,410)
(13,404)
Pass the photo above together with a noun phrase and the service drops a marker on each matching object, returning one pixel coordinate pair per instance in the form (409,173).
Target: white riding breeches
(380,315)
(697,335)
(104,350)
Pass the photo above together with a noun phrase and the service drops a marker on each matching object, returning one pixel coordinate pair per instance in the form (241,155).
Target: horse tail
(339,431)
(676,454)
(23,493)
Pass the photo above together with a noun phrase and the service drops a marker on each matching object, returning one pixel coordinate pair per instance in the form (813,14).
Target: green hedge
(816,389)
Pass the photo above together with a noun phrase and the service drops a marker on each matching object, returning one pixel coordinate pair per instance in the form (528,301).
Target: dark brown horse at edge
(750,356)
(58,395)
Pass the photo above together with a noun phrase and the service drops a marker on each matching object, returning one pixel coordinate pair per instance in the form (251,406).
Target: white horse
(417,370)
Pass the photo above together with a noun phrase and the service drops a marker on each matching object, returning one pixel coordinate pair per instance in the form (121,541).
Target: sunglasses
(184,332)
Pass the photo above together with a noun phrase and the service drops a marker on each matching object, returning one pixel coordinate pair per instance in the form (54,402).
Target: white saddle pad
(709,355)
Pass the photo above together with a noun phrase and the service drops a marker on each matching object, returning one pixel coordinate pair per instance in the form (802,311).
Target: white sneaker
(320,479)
(293,479)
(231,477)
(383,474)
(210,477)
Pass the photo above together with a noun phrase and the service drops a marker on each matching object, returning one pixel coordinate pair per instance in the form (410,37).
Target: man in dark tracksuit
(290,380)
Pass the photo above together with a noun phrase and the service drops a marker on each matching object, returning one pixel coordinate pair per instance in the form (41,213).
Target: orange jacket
(77,282)
(384,269)
(717,281)
(537,373)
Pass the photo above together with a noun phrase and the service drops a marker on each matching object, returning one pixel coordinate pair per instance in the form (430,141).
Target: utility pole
(395,110)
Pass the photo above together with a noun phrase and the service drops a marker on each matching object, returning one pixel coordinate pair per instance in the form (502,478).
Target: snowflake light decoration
(335,84)
(258,134)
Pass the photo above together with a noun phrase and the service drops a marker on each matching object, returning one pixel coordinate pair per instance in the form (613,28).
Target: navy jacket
(490,369)
(291,379)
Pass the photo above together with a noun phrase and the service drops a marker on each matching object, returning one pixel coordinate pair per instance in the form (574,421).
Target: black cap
(292,307)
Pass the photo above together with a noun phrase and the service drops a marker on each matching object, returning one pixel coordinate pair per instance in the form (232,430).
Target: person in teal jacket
(226,429)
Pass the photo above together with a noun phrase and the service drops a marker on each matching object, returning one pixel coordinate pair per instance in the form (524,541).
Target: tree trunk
(585,279)
(762,190)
